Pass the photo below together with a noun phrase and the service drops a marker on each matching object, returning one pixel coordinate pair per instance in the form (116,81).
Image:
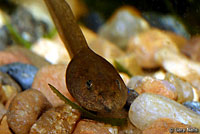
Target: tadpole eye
(118,83)
(89,84)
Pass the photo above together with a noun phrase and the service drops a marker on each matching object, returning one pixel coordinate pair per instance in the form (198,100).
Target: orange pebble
(54,75)
(90,127)
(161,87)
(167,126)
(11,57)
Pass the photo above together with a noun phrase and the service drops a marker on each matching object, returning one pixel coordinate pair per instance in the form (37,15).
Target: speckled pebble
(91,127)
(59,120)
(25,109)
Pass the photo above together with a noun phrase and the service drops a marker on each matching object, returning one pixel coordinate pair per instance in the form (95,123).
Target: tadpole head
(94,83)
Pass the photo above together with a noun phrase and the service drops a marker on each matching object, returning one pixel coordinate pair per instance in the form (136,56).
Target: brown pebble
(5,79)
(9,101)
(34,59)
(146,44)
(59,120)
(2,110)
(192,48)
(6,92)
(25,109)
(178,39)
(129,128)
(90,127)
(164,126)
(11,57)
(102,46)
(4,129)
(54,75)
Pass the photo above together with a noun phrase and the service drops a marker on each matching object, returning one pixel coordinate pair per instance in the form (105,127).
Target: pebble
(59,120)
(146,44)
(102,46)
(34,58)
(6,92)
(148,84)
(179,65)
(55,52)
(129,128)
(54,75)
(133,82)
(166,126)
(93,21)
(21,73)
(123,24)
(8,88)
(132,94)
(183,88)
(129,62)
(193,105)
(52,50)
(2,111)
(78,7)
(2,16)
(39,10)
(192,48)
(147,108)
(179,40)
(9,101)
(11,57)
(29,28)
(5,79)
(161,87)
(4,128)
(25,109)
(166,22)
(91,127)
(5,39)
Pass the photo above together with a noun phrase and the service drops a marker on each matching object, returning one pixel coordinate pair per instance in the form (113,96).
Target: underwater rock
(166,22)
(147,108)
(58,120)
(23,74)
(25,109)
(193,105)
(123,24)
